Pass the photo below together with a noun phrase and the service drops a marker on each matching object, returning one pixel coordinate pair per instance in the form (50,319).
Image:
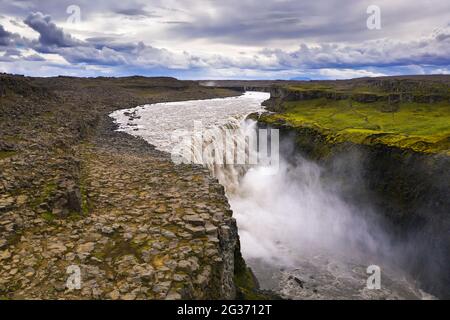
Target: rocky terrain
(76,194)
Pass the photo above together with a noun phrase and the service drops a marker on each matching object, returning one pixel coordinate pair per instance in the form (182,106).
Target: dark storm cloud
(329,34)
(10,40)
(53,39)
(100,51)
(49,34)
(10,44)
(443,36)
(12,52)
(251,21)
(5,37)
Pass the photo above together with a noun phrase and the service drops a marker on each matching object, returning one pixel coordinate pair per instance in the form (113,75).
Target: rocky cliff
(407,183)
(76,195)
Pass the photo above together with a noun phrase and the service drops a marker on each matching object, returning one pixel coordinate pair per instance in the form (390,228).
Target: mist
(305,232)
(294,210)
(302,223)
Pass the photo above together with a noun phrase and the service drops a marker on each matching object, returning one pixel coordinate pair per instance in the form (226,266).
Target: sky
(232,39)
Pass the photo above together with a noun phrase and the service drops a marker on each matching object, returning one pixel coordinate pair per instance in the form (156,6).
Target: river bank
(77,193)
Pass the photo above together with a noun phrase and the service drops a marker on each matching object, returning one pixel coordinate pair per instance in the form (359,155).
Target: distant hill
(300,79)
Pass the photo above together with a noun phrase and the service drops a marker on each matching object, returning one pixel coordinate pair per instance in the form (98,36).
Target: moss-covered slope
(391,136)
(404,113)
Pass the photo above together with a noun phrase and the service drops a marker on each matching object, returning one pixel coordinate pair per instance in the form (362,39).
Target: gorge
(362,181)
(309,231)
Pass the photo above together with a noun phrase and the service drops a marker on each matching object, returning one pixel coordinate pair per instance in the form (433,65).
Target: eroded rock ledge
(76,193)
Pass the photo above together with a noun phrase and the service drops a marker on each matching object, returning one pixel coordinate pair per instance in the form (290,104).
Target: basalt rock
(78,196)
(409,189)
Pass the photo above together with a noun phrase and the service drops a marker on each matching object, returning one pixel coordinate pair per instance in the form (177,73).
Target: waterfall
(226,150)
(298,234)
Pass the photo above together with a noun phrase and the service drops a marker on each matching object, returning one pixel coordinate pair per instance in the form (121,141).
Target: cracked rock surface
(76,195)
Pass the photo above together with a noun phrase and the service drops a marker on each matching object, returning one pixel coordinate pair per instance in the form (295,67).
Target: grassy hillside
(401,113)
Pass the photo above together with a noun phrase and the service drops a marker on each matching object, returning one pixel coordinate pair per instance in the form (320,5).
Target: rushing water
(297,233)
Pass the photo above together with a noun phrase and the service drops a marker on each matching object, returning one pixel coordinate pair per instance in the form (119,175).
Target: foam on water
(156,122)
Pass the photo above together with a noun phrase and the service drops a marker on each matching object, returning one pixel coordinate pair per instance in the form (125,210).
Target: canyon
(76,191)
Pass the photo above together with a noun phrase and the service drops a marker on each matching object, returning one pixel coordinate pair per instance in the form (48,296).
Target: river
(298,234)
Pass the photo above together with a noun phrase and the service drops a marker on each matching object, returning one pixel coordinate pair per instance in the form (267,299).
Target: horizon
(225,79)
(245,40)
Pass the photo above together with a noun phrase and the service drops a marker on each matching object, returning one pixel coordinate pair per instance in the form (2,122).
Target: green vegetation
(44,194)
(6,154)
(247,286)
(48,216)
(423,127)
(85,208)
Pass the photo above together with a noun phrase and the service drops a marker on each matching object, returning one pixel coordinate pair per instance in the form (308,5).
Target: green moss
(247,287)
(118,247)
(7,154)
(75,216)
(418,126)
(48,216)
(45,193)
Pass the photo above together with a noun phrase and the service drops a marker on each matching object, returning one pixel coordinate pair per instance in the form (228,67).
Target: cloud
(379,53)
(5,37)
(348,73)
(102,51)
(12,46)
(245,38)
(90,55)
(136,12)
(254,22)
(10,39)
(49,34)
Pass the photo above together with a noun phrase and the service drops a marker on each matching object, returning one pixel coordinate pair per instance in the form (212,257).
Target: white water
(298,235)
(158,121)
